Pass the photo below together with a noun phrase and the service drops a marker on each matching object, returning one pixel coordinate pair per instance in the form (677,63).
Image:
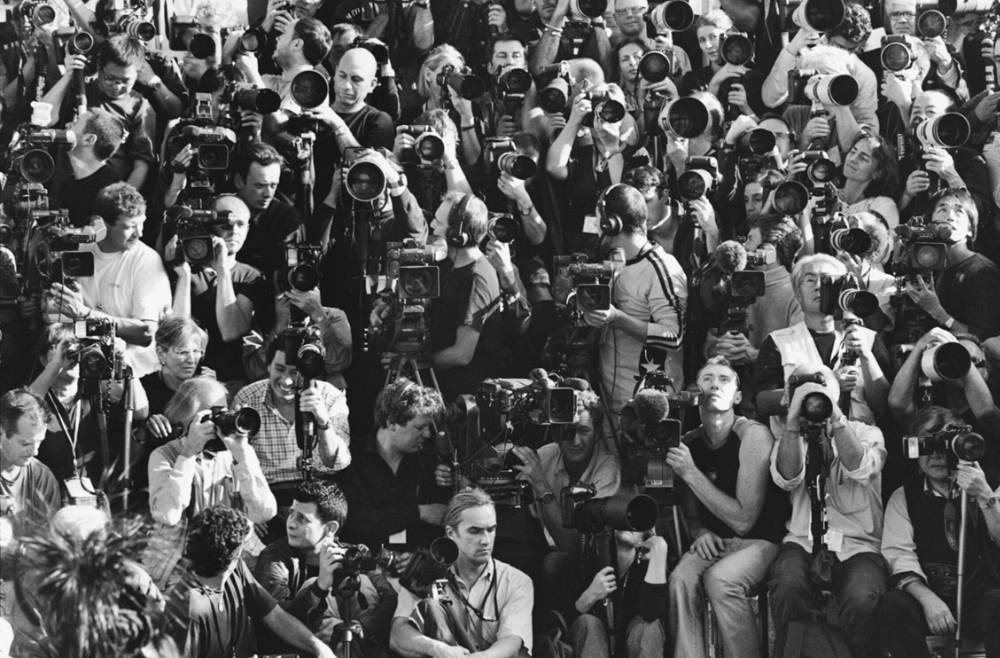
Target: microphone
(651,406)
(731,256)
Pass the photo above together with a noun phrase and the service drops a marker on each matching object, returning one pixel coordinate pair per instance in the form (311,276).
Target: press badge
(591,225)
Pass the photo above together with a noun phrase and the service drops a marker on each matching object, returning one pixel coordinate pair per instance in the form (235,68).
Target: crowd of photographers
(435,328)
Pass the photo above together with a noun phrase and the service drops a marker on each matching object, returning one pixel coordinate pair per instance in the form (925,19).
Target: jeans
(857,584)
(903,625)
(726,581)
(589,637)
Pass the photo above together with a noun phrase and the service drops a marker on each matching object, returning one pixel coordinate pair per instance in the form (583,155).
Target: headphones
(611,224)
(459,236)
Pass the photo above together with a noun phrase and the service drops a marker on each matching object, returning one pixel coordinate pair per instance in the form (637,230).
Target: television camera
(737,287)
(410,281)
(94,348)
(195,229)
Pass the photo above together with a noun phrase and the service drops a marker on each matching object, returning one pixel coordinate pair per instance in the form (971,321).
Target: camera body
(428,146)
(512,85)
(212,145)
(896,54)
(501,156)
(301,267)
(31,153)
(416,274)
(956,441)
(412,279)
(844,294)
(96,352)
(57,256)
(700,179)
(519,402)
(817,407)
(591,285)
(195,229)
(922,249)
(604,106)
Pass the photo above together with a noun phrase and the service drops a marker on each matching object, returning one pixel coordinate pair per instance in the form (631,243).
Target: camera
(364,179)
(429,566)
(503,227)
(34,12)
(843,294)
(923,249)
(737,49)
(465,83)
(605,107)
(791,198)
(414,270)
(654,67)
(302,266)
(588,8)
(502,157)
(31,151)
(254,40)
(96,353)
(75,40)
(305,351)
(817,407)
(128,17)
(240,421)
(56,254)
(241,96)
(931,23)
(413,280)
(195,230)
(958,442)
(309,89)
(618,512)
(700,179)
(946,131)
(512,85)
(818,15)
(843,237)
(945,362)
(212,144)
(427,144)
(671,16)
(687,117)
(808,86)
(896,53)
(554,97)
(135,25)
(520,401)
(591,286)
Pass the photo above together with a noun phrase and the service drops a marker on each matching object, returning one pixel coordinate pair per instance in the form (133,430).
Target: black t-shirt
(967,290)
(264,247)
(225,358)
(372,128)
(77,195)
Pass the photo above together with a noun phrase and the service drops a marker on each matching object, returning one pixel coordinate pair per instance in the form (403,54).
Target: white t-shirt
(130,284)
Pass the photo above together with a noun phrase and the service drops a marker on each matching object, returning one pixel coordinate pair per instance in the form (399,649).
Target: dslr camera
(301,267)
(956,441)
(428,146)
(809,86)
(700,179)
(817,407)
(95,350)
(512,85)
(844,294)
(129,17)
(501,156)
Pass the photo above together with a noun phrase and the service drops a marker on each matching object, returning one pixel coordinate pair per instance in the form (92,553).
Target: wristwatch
(990,502)
(323,426)
(546,497)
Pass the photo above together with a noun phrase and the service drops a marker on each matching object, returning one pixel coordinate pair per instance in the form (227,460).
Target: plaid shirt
(275,443)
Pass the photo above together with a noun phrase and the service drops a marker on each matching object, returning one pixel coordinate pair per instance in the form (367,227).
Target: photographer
(304,572)
(735,514)
(433,95)
(223,296)
(867,266)
(273,222)
(205,465)
(214,610)
(466,339)
(818,342)
(919,542)
(302,46)
(83,171)
(428,178)
(118,62)
(553,47)
(129,285)
(645,322)
(871,180)
(837,56)
(30,492)
(959,299)
(642,562)
(395,485)
(959,395)
(274,398)
(850,562)
(495,615)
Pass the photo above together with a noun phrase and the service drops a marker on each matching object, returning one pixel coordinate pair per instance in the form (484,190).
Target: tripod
(398,364)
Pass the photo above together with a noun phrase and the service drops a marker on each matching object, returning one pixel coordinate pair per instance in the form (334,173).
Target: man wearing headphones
(643,328)
(466,339)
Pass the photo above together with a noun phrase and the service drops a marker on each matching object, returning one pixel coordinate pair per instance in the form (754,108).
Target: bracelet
(422,5)
(318,591)
(472,127)
(525,211)
(949,323)
(323,426)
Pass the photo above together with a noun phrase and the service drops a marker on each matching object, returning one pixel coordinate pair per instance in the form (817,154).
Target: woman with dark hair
(871,179)
(628,56)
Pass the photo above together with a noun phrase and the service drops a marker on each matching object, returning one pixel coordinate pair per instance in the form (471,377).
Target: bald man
(224,296)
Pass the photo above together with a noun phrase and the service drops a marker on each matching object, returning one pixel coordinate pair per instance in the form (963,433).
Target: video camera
(31,152)
(922,249)
(739,287)
(414,271)
(212,145)
(501,156)
(649,434)
(56,252)
(700,179)
(195,229)
(844,294)
(95,350)
(411,280)
(428,146)
(956,441)
(520,402)
(591,286)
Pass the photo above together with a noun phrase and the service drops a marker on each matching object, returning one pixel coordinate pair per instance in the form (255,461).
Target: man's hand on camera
(848,377)
(656,545)
(66,301)
(736,348)
(179,165)
(531,468)
(330,554)
(200,431)
(498,255)
(708,545)
(970,478)
(404,142)
(603,585)
(506,126)
(311,401)
(740,126)
(933,337)
(817,129)
(677,152)
(252,122)
(601,318)
(895,89)
(496,16)
(987,108)
(938,52)
(220,255)
(681,461)
(247,64)
(939,161)
(803,38)
(852,341)
(703,213)
(514,189)
(725,72)
(432,513)
(63,359)
(181,267)
(74,63)
(308,302)
(581,107)
(237,444)
(795,404)
(443,476)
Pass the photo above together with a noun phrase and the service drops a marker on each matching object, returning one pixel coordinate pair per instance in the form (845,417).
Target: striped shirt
(275,443)
(651,287)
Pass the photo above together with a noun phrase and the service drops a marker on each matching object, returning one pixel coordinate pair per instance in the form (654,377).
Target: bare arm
(459,354)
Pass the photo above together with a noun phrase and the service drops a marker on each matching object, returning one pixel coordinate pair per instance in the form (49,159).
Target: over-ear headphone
(611,224)
(459,235)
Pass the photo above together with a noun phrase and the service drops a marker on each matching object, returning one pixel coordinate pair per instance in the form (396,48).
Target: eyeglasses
(188,354)
(630,11)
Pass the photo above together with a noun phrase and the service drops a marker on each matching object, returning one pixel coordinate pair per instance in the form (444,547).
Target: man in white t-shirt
(129,285)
